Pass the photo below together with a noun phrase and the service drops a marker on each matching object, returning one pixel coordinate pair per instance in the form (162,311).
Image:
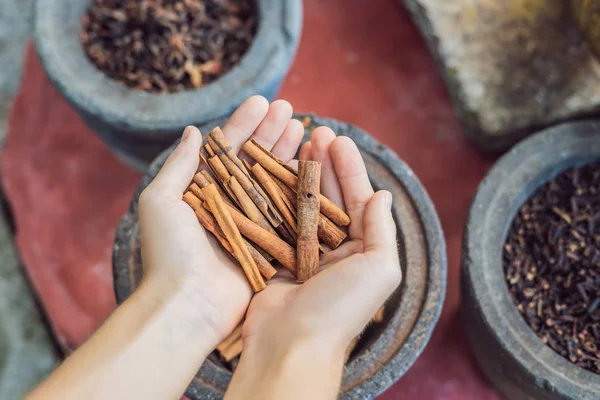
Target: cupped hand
(177,253)
(355,280)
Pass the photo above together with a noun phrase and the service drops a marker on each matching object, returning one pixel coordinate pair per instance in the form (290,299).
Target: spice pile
(168,45)
(552,264)
(264,214)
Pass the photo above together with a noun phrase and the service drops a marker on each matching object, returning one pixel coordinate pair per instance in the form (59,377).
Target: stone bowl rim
(436,263)
(89,89)
(508,184)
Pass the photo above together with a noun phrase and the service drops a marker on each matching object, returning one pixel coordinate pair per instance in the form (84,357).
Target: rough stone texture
(68,191)
(15,29)
(511,66)
(412,311)
(26,350)
(587,15)
(509,352)
(139,125)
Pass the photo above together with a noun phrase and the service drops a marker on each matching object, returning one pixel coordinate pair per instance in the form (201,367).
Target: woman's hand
(295,335)
(177,253)
(191,295)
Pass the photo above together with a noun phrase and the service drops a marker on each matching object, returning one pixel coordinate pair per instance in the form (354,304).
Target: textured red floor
(361,62)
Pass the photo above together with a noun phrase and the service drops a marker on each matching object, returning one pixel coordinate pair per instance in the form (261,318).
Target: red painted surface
(361,62)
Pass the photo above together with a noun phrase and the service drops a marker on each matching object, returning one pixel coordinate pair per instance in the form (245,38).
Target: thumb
(379,227)
(179,169)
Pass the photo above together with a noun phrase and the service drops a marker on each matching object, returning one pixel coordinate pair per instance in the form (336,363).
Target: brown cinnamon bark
(379,315)
(267,241)
(222,176)
(328,232)
(236,168)
(219,138)
(206,219)
(203,178)
(284,172)
(277,197)
(307,247)
(233,351)
(222,214)
(248,206)
(209,151)
(232,346)
(264,239)
(194,198)
(232,338)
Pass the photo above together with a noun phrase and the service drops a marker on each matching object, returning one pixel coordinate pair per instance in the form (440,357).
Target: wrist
(178,304)
(295,367)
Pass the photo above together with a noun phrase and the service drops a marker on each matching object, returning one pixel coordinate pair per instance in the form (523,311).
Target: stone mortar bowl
(507,350)
(387,350)
(587,14)
(139,125)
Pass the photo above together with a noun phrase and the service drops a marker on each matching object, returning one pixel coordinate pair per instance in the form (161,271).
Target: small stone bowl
(387,350)
(508,352)
(139,125)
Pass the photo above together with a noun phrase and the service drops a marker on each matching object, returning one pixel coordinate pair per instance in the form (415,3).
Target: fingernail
(186,133)
(387,199)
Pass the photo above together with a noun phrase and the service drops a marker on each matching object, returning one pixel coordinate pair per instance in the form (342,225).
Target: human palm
(355,279)
(179,252)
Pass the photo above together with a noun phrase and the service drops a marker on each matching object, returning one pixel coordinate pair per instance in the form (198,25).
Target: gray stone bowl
(387,350)
(138,125)
(508,352)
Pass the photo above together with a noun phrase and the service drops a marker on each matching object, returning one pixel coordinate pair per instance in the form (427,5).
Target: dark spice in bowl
(552,264)
(168,45)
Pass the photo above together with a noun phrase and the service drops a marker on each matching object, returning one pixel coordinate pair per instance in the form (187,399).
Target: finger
(344,251)
(379,226)
(177,172)
(293,164)
(356,286)
(244,121)
(321,139)
(287,145)
(354,181)
(305,153)
(272,126)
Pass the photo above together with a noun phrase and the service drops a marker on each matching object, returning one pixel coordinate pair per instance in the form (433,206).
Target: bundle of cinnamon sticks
(264,215)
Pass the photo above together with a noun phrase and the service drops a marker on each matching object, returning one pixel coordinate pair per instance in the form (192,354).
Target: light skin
(192,294)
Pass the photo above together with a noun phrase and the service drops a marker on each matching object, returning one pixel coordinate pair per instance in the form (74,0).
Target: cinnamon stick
(264,266)
(222,214)
(219,138)
(232,338)
(379,315)
(328,232)
(277,197)
(232,346)
(194,198)
(248,206)
(307,247)
(218,168)
(204,178)
(282,171)
(209,151)
(206,219)
(272,244)
(233,351)
(222,175)
(236,168)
